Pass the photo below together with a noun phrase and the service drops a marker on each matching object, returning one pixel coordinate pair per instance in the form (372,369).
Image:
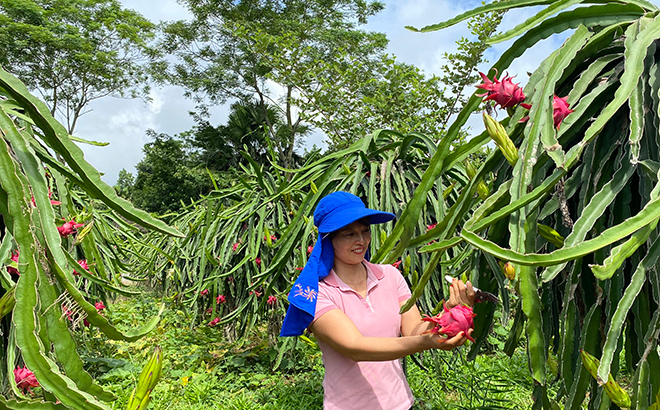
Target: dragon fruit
(14,258)
(504,92)
(452,321)
(68,228)
(560,110)
(25,379)
(83,264)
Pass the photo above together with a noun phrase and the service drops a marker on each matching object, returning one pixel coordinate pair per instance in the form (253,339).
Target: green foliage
(203,370)
(46,289)
(459,72)
(124,184)
(601,165)
(245,242)
(248,129)
(348,98)
(168,177)
(74,52)
(228,49)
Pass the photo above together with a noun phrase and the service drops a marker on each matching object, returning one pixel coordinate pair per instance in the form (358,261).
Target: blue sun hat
(333,212)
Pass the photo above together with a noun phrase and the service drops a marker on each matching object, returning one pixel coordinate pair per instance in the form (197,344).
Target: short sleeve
(324,303)
(402,289)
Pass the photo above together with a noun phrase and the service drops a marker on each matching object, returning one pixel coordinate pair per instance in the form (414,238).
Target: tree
(248,129)
(348,99)
(124,184)
(167,176)
(75,51)
(227,50)
(349,96)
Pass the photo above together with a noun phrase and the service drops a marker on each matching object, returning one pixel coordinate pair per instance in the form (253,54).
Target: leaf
(620,253)
(648,214)
(635,54)
(618,319)
(57,138)
(541,16)
(25,321)
(481,10)
(597,205)
(84,141)
(429,269)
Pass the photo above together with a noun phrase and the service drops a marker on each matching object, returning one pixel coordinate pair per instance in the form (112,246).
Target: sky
(123,123)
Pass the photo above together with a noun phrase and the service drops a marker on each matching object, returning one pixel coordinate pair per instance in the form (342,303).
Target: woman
(352,307)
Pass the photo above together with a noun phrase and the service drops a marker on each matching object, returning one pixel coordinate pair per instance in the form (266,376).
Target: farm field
(170,289)
(203,371)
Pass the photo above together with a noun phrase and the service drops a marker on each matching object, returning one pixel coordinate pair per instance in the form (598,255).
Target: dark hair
(364,221)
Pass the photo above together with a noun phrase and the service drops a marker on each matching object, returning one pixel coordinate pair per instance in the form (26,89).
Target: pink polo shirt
(365,385)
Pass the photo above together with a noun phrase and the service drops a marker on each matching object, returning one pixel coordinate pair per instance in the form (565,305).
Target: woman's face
(351,243)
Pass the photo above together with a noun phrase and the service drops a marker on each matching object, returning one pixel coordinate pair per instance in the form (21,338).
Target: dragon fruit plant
(573,160)
(37,158)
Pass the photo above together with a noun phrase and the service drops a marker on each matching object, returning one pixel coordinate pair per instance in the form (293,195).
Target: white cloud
(157,101)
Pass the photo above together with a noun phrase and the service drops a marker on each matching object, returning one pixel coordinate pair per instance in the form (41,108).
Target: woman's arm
(338,331)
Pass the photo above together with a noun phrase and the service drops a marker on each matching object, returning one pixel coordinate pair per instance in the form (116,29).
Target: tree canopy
(166,176)
(227,51)
(75,51)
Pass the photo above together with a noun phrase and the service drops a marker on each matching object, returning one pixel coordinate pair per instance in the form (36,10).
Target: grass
(201,370)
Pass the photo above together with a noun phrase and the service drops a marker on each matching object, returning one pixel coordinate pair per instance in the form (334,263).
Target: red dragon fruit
(68,228)
(25,379)
(452,321)
(560,110)
(504,92)
(14,258)
(83,264)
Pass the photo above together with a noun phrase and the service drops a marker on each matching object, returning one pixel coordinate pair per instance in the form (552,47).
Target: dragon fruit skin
(560,110)
(504,92)
(452,321)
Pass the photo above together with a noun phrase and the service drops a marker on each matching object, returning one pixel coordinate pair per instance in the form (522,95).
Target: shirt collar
(374,275)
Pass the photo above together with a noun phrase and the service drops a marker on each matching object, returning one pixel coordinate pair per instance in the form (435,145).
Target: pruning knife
(480,295)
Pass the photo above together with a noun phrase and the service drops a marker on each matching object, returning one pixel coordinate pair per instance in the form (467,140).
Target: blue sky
(123,122)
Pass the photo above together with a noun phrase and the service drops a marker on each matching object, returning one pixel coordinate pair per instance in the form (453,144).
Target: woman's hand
(445,343)
(460,294)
